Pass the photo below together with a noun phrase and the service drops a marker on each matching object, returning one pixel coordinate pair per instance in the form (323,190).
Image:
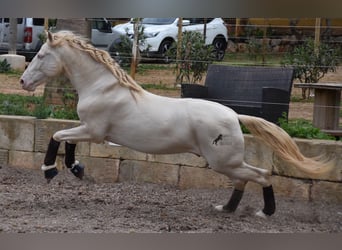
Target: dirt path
(28,204)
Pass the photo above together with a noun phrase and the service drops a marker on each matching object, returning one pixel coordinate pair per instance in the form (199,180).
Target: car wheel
(163,48)
(220,46)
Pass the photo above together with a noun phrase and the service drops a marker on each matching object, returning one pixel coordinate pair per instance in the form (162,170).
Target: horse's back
(210,113)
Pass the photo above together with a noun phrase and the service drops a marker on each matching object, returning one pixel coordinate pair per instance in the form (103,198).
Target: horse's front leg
(50,167)
(77,134)
(70,136)
(75,167)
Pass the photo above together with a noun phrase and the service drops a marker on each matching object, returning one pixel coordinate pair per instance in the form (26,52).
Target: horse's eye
(40,56)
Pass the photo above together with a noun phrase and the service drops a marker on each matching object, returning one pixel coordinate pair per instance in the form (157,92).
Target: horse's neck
(85,74)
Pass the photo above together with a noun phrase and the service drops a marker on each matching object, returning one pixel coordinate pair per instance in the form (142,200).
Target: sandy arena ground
(28,204)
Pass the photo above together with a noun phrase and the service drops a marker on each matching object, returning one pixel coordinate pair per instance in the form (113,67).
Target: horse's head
(44,65)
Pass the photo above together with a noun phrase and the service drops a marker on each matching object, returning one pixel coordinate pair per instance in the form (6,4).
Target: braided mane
(98,55)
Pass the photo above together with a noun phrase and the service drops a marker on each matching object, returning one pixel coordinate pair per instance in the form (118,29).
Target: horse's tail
(284,146)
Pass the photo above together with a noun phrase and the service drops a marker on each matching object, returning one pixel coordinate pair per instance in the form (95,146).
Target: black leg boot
(49,167)
(234,201)
(75,167)
(269,201)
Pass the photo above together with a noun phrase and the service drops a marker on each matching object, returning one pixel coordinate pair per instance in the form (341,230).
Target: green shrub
(123,50)
(42,111)
(301,128)
(62,112)
(4,66)
(194,59)
(311,62)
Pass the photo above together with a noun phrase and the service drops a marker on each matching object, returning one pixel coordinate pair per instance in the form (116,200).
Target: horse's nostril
(21,81)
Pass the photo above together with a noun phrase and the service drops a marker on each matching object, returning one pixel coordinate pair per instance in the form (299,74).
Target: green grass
(17,104)
(300,99)
(157,86)
(11,104)
(153,66)
(144,67)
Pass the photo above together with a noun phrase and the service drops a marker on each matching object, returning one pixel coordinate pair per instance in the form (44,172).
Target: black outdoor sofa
(250,90)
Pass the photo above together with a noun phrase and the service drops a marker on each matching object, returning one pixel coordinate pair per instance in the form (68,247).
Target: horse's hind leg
(49,167)
(75,167)
(262,178)
(241,175)
(235,198)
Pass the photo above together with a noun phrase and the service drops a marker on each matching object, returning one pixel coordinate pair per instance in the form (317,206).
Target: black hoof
(50,173)
(78,171)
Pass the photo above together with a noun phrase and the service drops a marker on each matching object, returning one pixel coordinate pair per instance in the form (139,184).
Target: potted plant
(192,62)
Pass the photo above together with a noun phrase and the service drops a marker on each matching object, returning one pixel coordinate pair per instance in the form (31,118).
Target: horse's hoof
(219,208)
(50,173)
(78,170)
(261,214)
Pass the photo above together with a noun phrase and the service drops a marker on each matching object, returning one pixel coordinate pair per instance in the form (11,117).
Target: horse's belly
(156,144)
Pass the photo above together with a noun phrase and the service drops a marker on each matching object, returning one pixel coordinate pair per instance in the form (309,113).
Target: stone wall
(24,141)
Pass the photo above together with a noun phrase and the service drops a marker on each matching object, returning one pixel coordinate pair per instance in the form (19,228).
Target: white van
(28,32)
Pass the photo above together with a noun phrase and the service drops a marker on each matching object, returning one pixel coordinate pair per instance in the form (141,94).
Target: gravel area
(28,204)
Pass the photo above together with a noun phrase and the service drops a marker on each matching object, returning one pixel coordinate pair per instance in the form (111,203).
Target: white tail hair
(284,146)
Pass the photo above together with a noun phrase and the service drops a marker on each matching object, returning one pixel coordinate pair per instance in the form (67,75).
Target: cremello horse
(113,107)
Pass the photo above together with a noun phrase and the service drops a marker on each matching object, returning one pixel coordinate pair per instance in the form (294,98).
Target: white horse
(113,107)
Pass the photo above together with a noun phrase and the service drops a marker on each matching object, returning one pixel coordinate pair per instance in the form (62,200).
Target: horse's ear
(49,36)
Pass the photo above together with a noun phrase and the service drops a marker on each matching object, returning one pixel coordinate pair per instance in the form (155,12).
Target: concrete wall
(24,140)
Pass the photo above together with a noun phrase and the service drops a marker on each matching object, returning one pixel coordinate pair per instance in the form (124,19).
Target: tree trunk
(179,47)
(80,26)
(13,36)
(59,91)
(135,47)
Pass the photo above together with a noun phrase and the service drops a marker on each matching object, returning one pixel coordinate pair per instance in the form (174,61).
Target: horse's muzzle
(26,86)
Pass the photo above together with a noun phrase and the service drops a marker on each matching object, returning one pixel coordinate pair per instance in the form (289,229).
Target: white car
(160,33)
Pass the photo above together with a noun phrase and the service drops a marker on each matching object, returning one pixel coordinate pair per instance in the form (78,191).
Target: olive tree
(311,62)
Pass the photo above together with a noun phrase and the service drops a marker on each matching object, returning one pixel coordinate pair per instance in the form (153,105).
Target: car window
(19,20)
(38,21)
(194,21)
(158,21)
(98,24)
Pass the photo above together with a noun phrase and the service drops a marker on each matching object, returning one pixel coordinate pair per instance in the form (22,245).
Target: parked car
(160,33)
(102,35)
(30,29)
(28,36)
